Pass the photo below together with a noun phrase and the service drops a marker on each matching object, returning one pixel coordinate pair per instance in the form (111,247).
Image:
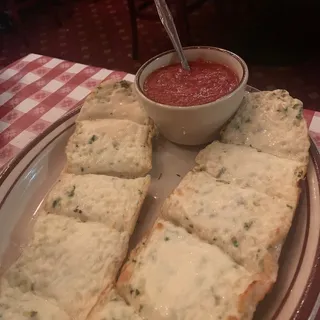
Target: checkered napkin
(36,90)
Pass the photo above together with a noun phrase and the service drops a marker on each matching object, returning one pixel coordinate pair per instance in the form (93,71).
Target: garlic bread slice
(69,262)
(247,167)
(115,202)
(112,147)
(271,121)
(174,275)
(247,225)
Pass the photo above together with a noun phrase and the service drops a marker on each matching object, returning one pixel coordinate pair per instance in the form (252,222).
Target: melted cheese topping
(18,305)
(112,147)
(113,100)
(176,276)
(242,222)
(113,201)
(247,167)
(70,262)
(273,122)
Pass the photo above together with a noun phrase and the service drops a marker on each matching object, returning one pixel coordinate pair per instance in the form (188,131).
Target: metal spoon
(168,23)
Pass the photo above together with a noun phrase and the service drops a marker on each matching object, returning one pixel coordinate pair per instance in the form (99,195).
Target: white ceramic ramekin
(197,124)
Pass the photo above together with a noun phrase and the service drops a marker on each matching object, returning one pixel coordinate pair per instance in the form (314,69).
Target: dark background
(278,39)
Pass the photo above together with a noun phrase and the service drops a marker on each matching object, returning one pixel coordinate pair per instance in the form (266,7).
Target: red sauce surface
(206,82)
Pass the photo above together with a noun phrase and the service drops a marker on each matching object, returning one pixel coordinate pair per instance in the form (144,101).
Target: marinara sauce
(206,82)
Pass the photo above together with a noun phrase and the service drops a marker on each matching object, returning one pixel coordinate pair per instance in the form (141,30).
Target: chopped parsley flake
(222,181)
(124,84)
(300,174)
(299,115)
(82,217)
(258,253)
(256,203)
(56,202)
(235,242)
(290,207)
(135,291)
(284,110)
(77,210)
(115,144)
(140,192)
(71,193)
(31,314)
(247,225)
(166,239)
(221,172)
(93,139)
(217,299)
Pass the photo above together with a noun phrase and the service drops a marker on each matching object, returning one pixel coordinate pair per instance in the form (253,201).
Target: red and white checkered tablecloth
(37,90)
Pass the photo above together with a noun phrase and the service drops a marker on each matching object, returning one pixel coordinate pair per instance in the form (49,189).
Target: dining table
(37,90)
(39,96)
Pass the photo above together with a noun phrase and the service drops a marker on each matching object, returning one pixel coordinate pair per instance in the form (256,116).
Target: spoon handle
(168,23)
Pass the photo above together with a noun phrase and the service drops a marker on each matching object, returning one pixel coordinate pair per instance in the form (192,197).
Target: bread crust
(246,302)
(127,269)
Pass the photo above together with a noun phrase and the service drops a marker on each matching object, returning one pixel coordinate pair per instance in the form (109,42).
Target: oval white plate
(26,180)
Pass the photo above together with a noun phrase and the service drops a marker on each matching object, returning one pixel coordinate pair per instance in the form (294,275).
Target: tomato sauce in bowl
(206,82)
